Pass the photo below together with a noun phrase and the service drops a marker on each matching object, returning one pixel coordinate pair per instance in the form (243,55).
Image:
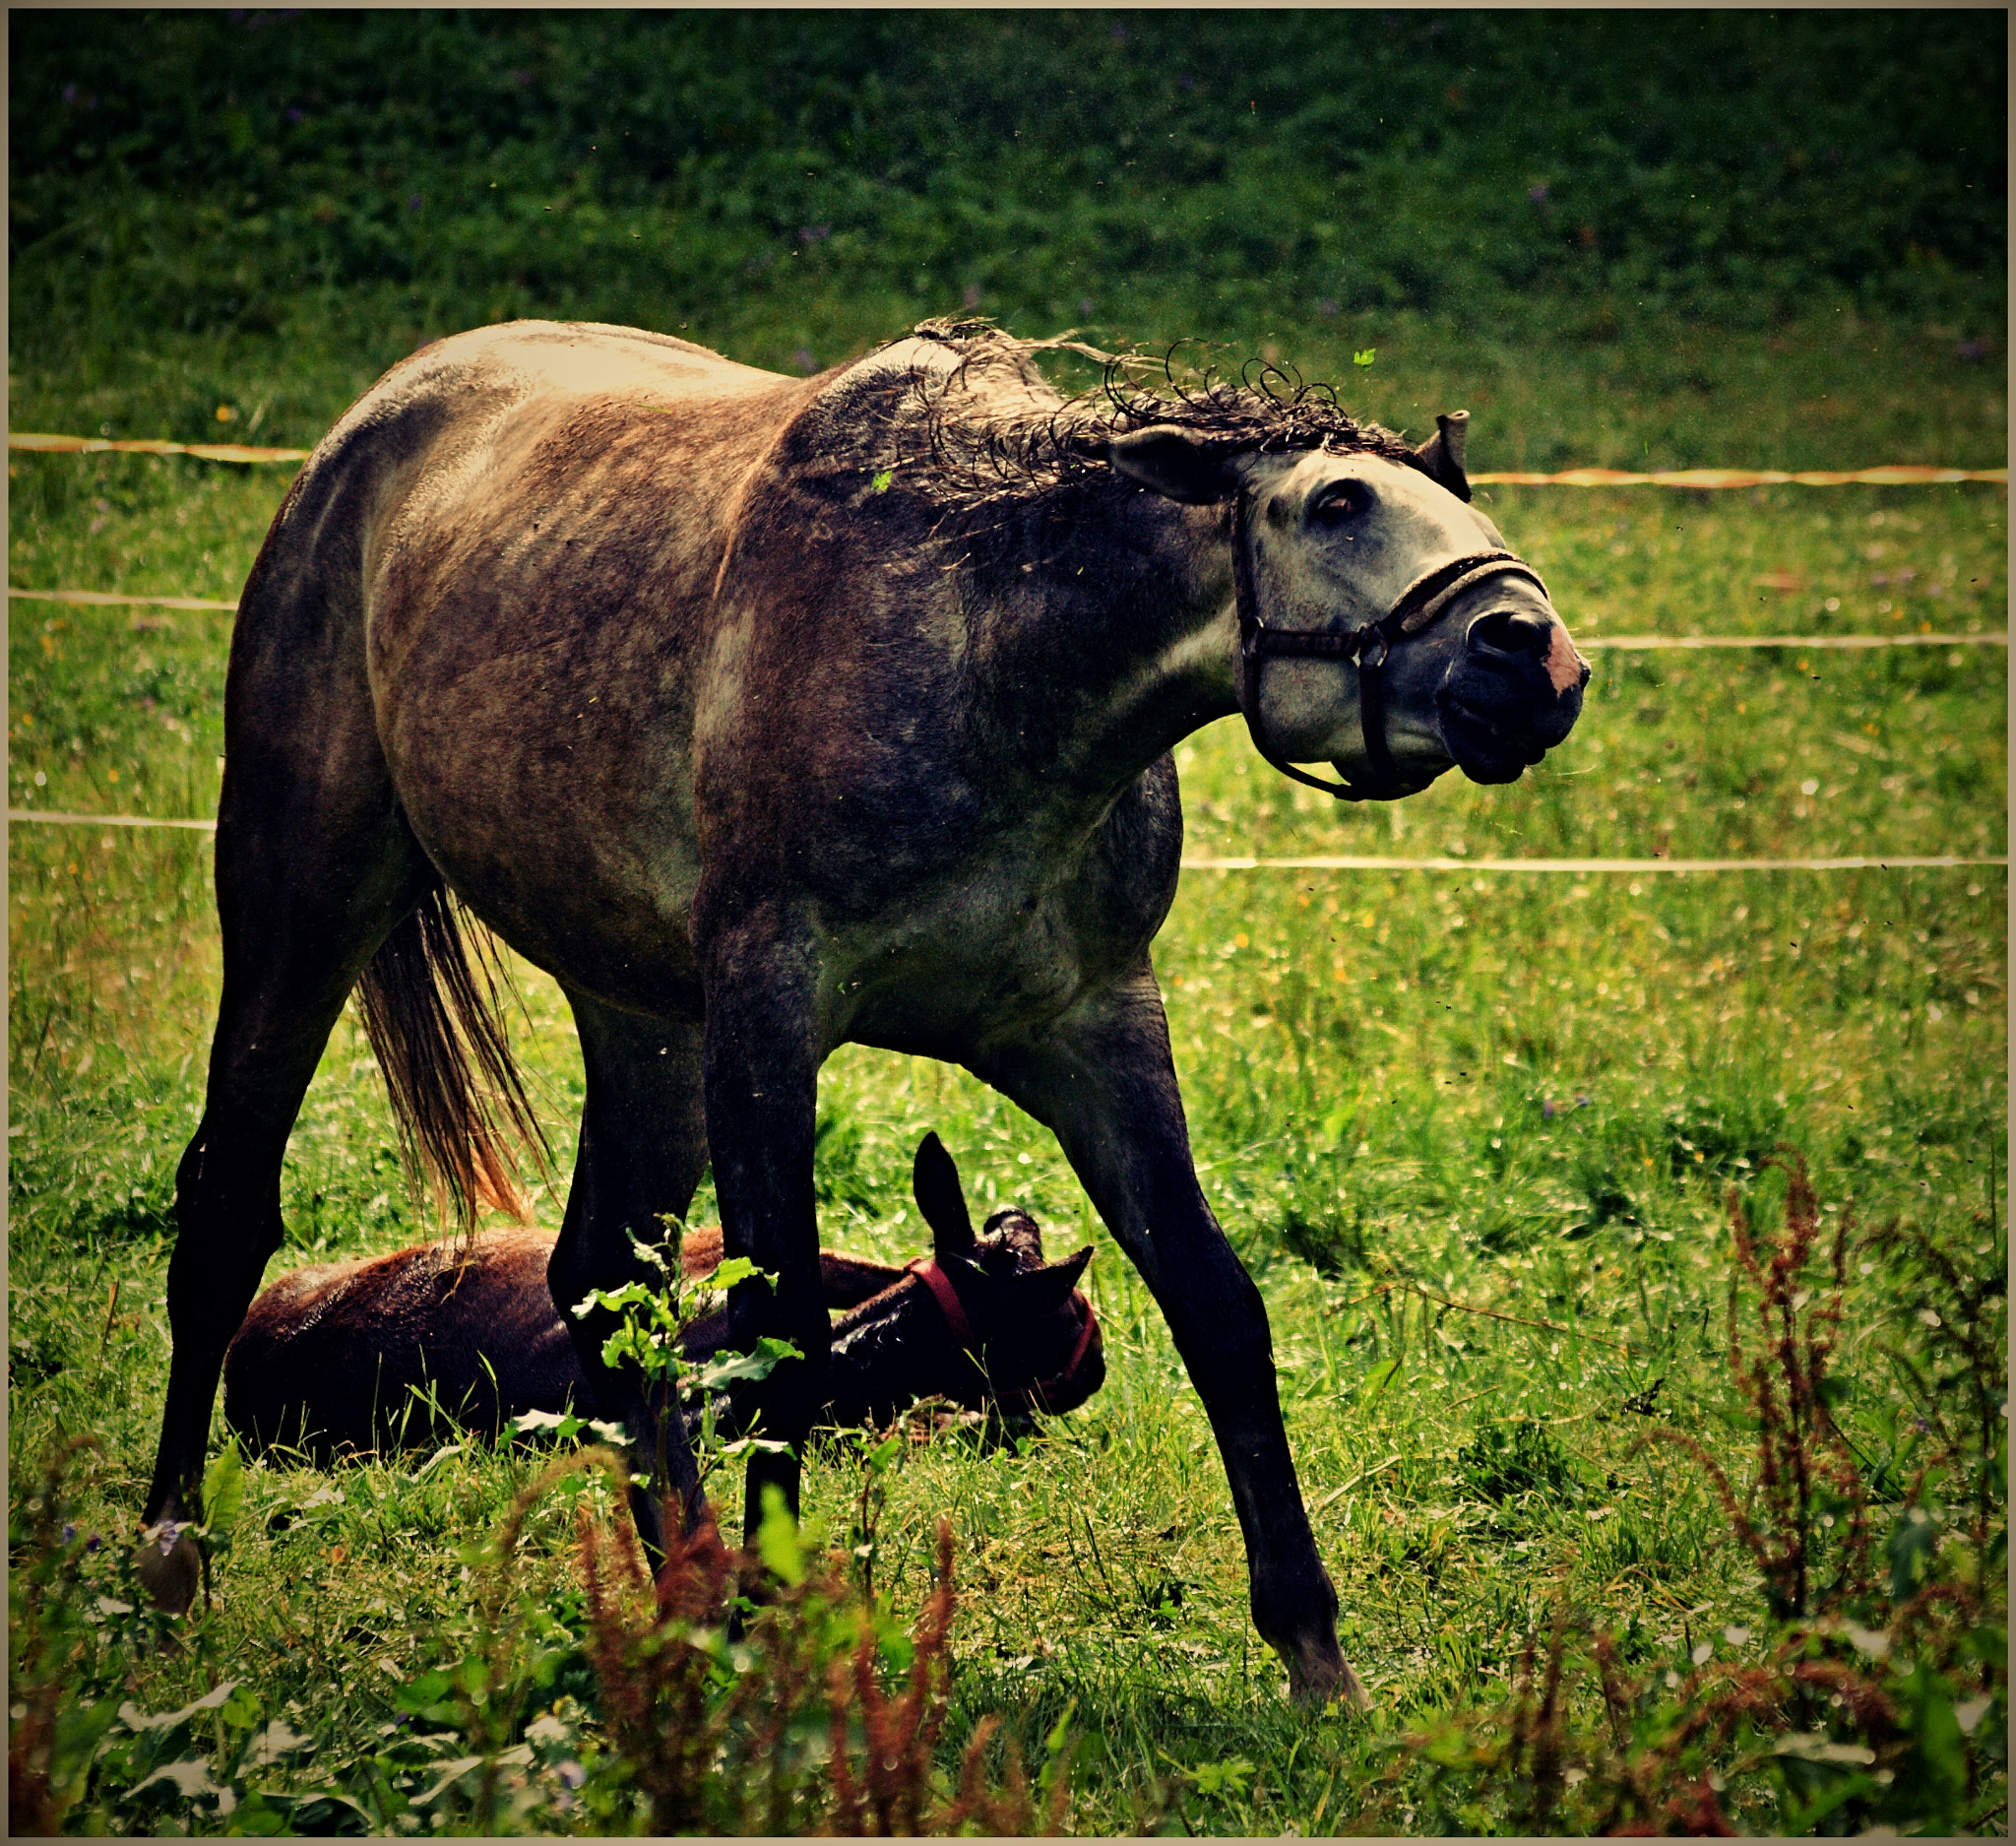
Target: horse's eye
(1342,500)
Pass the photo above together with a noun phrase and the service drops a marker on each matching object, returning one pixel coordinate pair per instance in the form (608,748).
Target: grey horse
(772,714)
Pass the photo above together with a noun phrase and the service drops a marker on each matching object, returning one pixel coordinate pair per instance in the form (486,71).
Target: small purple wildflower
(814,233)
(1186,83)
(1086,305)
(69,1533)
(1547,1108)
(570,1774)
(414,202)
(93,1543)
(1584,1101)
(1327,307)
(805,361)
(296,114)
(1538,194)
(971,296)
(70,93)
(1972,349)
(1119,34)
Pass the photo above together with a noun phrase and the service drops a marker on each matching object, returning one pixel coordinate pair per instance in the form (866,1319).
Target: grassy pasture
(1521,1094)
(1472,1132)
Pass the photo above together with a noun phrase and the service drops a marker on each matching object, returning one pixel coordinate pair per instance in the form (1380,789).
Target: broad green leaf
(737,1368)
(737,1269)
(223,1490)
(777,1542)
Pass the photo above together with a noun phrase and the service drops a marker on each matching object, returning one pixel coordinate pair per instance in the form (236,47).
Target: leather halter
(1042,1391)
(1421,604)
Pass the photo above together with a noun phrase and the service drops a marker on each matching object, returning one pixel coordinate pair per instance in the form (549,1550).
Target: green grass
(1523,1093)
(1415,1097)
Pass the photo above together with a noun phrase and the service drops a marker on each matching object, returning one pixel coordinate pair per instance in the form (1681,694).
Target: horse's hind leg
(314,867)
(643,1149)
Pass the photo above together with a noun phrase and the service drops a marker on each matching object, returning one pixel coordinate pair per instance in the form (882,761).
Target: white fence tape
(202,451)
(1997,640)
(51,818)
(1346,862)
(1910,474)
(111,598)
(1340,862)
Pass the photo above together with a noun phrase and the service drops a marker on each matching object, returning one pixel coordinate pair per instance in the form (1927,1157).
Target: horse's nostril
(1506,631)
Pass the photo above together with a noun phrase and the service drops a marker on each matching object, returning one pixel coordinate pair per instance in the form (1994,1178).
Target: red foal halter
(927,1271)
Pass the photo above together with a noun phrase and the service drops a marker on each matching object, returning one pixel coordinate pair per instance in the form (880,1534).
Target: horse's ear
(1041,1291)
(934,1177)
(1442,454)
(1173,463)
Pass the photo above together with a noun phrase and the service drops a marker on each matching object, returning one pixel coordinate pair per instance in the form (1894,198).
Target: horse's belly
(608,915)
(950,980)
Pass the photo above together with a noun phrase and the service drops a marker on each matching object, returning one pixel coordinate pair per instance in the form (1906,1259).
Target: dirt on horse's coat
(770,714)
(393,1352)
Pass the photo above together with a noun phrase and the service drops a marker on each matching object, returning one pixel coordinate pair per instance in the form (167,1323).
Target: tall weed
(1866,1696)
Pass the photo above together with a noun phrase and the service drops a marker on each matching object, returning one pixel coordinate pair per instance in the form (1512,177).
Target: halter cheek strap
(1421,603)
(1045,1390)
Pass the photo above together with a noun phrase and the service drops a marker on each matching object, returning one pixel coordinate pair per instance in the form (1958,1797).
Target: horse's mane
(990,431)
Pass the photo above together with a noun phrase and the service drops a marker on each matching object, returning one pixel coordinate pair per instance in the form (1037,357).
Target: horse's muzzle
(1512,695)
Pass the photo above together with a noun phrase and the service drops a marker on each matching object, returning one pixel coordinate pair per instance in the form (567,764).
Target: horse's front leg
(763,1052)
(1101,1079)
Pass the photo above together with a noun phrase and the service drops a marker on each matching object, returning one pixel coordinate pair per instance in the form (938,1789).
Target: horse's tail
(431,1014)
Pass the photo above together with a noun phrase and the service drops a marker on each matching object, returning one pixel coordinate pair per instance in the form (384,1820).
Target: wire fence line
(49,817)
(1999,639)
(110,598)
(1582,867)
(1572,478)
(202,451)
(1328,862)
(1893,474)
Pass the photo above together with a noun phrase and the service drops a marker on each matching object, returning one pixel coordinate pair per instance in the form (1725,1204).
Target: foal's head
(983,1319)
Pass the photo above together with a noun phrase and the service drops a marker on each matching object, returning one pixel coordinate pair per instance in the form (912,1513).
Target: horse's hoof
(169,1564)
(1321,1677)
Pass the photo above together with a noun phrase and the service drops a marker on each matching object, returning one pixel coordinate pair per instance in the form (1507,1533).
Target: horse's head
(1035,1337)
(1384,625)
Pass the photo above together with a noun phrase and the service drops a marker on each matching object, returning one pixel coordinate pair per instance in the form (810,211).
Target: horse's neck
(1135,646)
(882,1353)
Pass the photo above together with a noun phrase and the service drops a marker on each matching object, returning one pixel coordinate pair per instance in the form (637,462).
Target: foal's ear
(1441,456)
(934,1177)
(1175,463)
(1040,1290)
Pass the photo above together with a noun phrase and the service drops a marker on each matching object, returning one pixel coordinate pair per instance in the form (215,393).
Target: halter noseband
(1421,603)
(1023,1396)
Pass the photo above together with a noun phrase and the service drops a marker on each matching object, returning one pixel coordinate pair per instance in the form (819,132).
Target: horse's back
(332,1356)
(487,601)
